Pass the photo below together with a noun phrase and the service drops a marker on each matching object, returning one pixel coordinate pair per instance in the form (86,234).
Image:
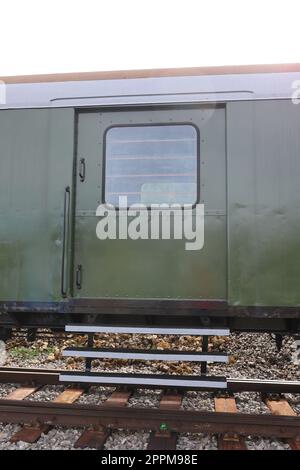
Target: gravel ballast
(198,401)
(257,443)
(251,402)
(143,398)
(126,440)
(5,389)
(196,442)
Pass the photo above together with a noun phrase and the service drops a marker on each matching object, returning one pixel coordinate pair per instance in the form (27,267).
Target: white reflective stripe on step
(146,330)
(145,381)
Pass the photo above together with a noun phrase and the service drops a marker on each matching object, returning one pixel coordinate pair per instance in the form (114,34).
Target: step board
(189,382)
(145,354)
(147,330)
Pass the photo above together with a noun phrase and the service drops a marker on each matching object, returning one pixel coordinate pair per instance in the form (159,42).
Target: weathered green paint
(250,170)
(152,268)
(263,203)
(36,155)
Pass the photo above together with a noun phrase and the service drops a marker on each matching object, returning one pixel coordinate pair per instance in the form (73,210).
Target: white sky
(49,36)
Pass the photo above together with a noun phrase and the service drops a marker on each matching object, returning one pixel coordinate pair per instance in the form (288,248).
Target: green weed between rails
(28,353)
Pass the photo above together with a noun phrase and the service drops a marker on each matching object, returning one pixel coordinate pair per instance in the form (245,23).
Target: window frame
(152,124)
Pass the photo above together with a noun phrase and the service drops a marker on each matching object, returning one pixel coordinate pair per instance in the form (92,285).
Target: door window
(151,164)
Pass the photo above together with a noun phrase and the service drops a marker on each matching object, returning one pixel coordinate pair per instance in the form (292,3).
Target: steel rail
(14,411)
(20,375)
(51,377)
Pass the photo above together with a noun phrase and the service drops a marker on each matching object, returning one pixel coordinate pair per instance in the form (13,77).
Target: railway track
(164,422)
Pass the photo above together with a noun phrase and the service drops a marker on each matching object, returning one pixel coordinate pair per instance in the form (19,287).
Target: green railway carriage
(226,138)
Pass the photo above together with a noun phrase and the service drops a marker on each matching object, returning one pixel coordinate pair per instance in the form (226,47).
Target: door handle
(82,170)
(65,241)
(79,276)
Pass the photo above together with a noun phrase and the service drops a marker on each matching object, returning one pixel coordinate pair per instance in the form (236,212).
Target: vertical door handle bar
(79,276)
(65,240)
(82,169)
